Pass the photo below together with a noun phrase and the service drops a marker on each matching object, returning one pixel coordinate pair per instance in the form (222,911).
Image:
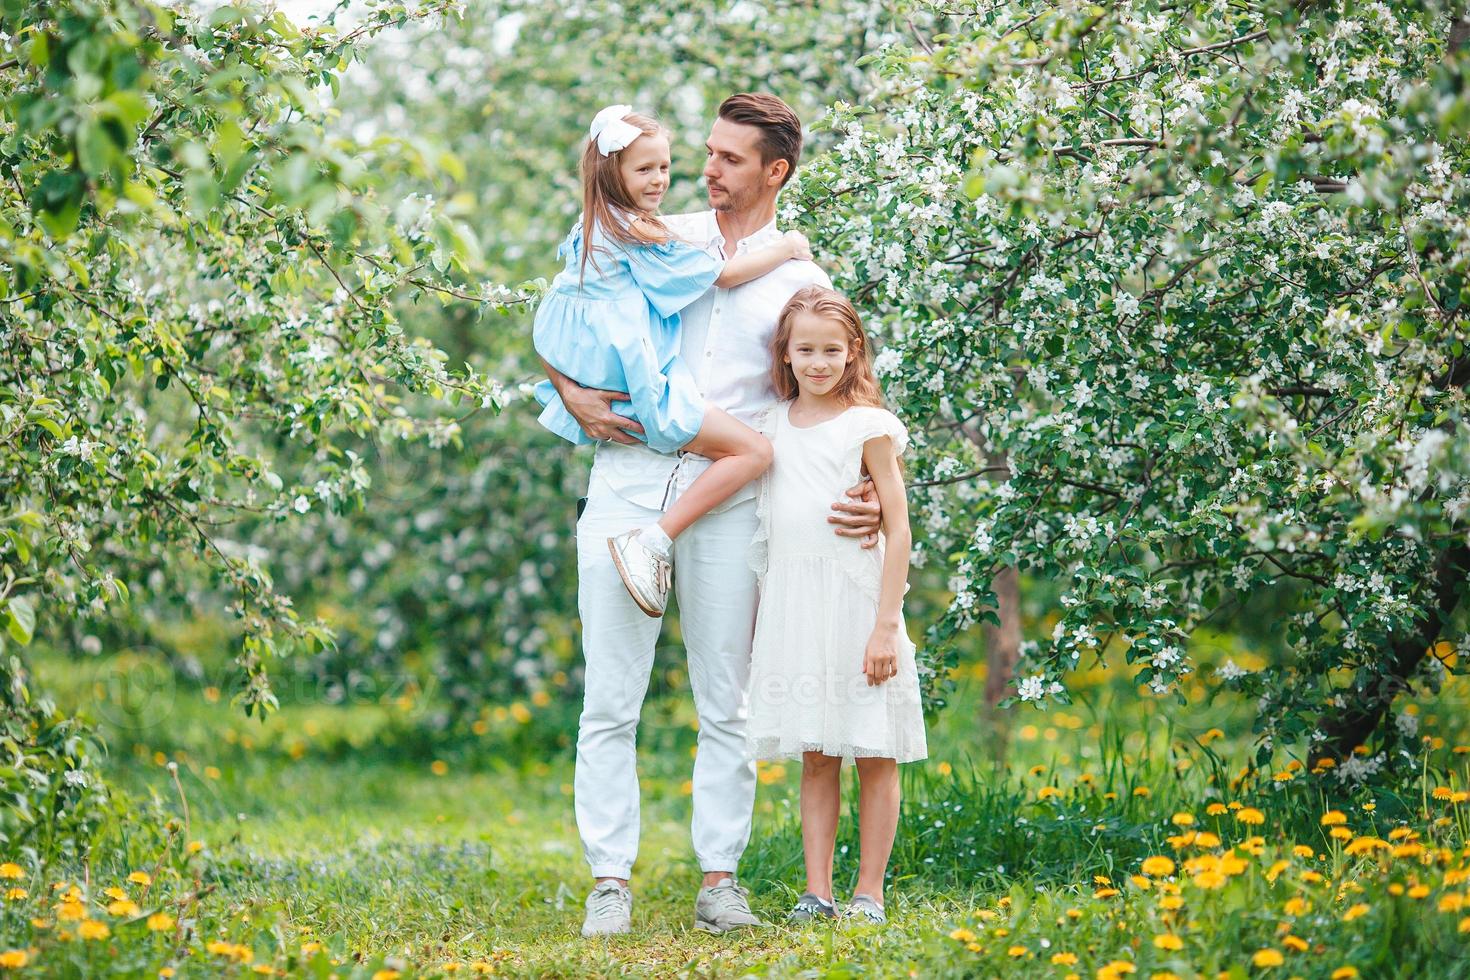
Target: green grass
(330,824)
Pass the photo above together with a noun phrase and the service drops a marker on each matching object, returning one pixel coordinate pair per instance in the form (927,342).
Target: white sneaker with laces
(644,571)
(609,910)
(723,907)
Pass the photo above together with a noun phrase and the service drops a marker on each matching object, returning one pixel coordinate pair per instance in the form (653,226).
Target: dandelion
(1182,819)
(71,911)
(1354,912)
(944,768)
(1169,941)
(92,929)
(1141,791)
(1116,969)
(1105,893)
(16,894)
(14,959)
(1064,959)
(1251,816)
(1295,942)
(1345,973)
(386,975)
(1465,924)
(123,908)
(1267,958)
(11,870)
(1215,809)
(140,878)
(1158,866)
(1206,839)
(1171,903)
(1017,951)
(962,935)
(160,921)
(439,767)
(1048,792)
(1296,905)
(1333,818)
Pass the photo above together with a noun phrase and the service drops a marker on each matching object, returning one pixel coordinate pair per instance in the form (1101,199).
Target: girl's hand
(801,249)
(880,660)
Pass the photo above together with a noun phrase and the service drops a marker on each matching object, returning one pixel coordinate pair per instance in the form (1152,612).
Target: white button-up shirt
(726,340)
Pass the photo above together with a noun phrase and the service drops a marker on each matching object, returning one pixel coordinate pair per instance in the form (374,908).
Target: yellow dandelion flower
(1206,839)
(1364,845)
(1036,770)
(1296,905)
(481,967)
(1215,809)
(123,908)
(1419,891)
(1355,911)
(1115,969)
(1295,942)
(386,975)
(1345,973)
(1182,819)
(311,948)
(1141,882)
(12,870)
(1452,902)
(1442,793)
(1267,957)
(40,923)
(944,768)
(140,878)
(1302,851)
(962,935)
(1158,866)
(439,767)
(1047,792)
(195,846)
(1169,941)
(1064,959)
(1171,903)
(1105,893)
(1340,833)
(520,712)
(1211,735)
(1017,951)
(1312,877)
(16,894)
(264,969)
(1250,815)
(1465,924)
(1142,791)
(1210,879)
(160,921)
(14,959)
(1074,914)
(92,929)
(71,911)
(1163,975)
(115,893)
(1399,833)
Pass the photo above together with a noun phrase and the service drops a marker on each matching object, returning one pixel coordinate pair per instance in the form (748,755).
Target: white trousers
(716,593)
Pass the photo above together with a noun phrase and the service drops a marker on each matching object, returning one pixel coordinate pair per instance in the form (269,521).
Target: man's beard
(731,201)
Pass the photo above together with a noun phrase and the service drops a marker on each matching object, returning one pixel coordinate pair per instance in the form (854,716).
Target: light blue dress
(618,329)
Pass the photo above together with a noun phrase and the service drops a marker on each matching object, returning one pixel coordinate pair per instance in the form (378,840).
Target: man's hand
(859,517)
(592,408)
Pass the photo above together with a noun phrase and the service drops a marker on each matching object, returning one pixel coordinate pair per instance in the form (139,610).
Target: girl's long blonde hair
(606,203)
(858,384)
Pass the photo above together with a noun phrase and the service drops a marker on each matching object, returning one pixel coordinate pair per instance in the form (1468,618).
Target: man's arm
(592,408)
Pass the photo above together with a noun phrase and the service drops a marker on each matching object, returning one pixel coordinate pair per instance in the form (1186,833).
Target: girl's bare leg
(740,455)
(877,822)
(821,799)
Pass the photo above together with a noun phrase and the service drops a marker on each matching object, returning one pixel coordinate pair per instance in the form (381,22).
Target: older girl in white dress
(833,675)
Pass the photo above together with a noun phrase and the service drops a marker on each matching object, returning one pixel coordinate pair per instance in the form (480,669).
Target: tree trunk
(1002,650)
(1361,718)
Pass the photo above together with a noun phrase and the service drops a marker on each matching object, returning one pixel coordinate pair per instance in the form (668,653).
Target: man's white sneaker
(645,572)
(724,906)
(609,910)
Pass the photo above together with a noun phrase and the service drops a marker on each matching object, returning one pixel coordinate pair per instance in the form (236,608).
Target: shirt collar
(760,236)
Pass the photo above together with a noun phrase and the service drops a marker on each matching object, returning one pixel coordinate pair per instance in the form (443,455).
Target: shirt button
(709,353)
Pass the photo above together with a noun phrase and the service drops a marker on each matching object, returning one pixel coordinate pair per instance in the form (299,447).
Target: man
(753,148)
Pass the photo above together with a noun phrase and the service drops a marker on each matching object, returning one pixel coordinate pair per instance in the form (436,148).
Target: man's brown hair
(779,126)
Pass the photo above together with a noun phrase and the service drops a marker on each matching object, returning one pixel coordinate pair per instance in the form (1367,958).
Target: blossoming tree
(1188,281)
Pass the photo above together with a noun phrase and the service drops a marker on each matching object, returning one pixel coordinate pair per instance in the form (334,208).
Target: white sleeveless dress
(818,604)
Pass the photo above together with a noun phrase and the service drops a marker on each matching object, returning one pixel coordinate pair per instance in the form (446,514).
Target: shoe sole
(715,930)
(627,583)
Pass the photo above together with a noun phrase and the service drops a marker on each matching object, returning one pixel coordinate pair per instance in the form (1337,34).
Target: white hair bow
(611,132)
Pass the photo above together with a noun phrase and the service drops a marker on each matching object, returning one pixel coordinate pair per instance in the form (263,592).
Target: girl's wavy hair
(606,203)
(858,384)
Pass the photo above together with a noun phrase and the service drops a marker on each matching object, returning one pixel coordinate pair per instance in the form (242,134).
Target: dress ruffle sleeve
(870,423)
(865,566)
(672,275)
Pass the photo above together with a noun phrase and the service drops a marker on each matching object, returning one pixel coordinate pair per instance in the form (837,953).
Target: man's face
(732,167)
(644,167)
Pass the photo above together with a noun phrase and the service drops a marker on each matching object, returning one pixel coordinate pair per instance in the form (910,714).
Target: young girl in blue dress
(610,320)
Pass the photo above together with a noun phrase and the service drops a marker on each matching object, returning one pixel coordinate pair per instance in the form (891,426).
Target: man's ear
(776,176)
